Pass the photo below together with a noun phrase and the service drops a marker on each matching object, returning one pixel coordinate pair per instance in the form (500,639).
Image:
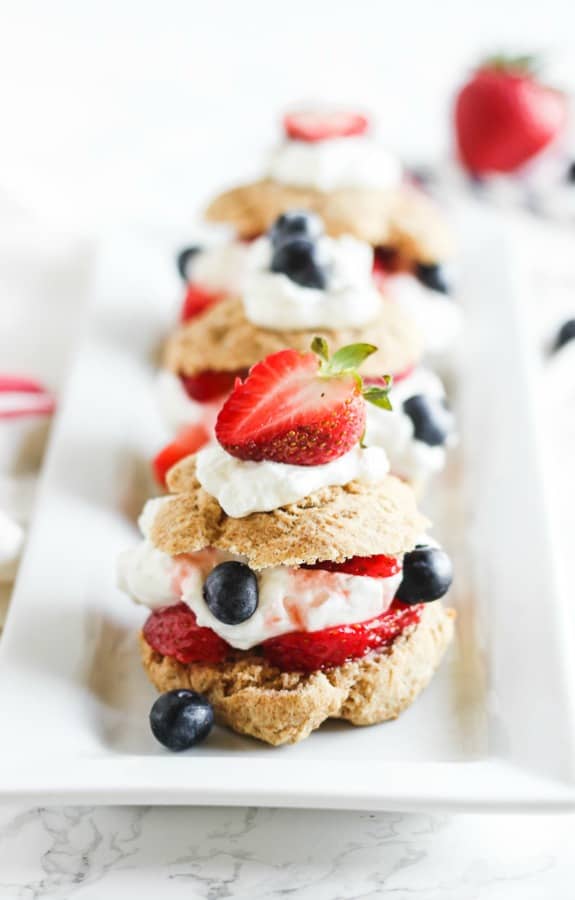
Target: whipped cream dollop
(178,409)
(220,268)
(242,487)
(290,599)
(350,300)
(409,458)
(350,162)
(439,319)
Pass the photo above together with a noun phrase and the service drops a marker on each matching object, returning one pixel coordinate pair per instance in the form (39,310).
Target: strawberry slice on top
(312,125)
(303,409)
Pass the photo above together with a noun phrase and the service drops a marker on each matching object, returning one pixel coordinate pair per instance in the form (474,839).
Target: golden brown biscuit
(254,698)
(334,523)
(223,339)
(402,218)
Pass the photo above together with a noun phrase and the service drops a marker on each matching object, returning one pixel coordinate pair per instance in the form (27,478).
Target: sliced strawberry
(286,411)
(210,385)
(189,440)
(173,631)
(197,301)
(379,566)
(312,126)
(307,651)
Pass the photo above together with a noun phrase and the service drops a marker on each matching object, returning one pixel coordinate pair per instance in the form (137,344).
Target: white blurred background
(132,112)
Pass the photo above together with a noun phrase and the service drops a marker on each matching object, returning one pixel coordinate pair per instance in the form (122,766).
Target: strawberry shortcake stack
(329,162)
(288,574)
(298,283)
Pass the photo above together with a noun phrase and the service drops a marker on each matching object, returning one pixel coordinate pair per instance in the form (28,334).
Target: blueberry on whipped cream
(299,278)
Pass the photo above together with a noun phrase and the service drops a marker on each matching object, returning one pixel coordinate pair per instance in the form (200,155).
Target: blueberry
(427,575)
(183,258)
(299,259)
(432,421)
(231,592)
(181,719)
(295,224)
(570,173)
(434,277)
(565,334)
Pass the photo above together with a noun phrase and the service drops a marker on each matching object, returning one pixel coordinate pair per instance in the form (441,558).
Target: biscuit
(334,523)
(402,218)
(252,697)
(223,339)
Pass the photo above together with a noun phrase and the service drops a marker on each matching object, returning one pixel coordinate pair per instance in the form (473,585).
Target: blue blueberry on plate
(427,575)
(565,335)
(296,224)
(432,421)
(434,276)
(181,719)
(301,261)
(231,592)
(183,258)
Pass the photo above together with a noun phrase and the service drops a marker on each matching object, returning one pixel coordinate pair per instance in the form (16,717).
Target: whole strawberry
(305,409)
(504,116)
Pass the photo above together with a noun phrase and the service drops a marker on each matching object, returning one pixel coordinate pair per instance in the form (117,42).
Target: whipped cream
(220,268)
(290,599)
(438,318)
(409,458)
(272,300)
(242,487)
(178,409)
(351,162)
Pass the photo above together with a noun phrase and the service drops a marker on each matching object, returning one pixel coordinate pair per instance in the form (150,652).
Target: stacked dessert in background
(288,572)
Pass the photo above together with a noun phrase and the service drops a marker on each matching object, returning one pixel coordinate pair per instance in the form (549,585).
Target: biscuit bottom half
(252,697)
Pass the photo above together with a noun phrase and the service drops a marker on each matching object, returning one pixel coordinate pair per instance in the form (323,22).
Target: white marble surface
(214,854)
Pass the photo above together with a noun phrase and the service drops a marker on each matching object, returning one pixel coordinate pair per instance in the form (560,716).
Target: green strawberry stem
(523,64)
(346,361)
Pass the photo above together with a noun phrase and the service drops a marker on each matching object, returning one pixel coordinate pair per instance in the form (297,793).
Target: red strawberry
(314,125)
(197,301)
(173,631)
(378,566)
(210,384)
(307,651)
(189,440)
(504,116)
(295,408)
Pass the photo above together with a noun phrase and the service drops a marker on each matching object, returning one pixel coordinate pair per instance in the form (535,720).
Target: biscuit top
(400,217)
(334,523)
(223,339)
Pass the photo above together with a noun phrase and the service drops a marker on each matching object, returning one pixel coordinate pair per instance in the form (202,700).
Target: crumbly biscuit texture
(402,217)
(334,523)
(253,698)
(223,339)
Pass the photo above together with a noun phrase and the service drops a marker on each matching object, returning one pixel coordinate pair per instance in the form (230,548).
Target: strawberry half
(316,125)
(189,440)
(197,301)
(308,651)
(504,116)
(299,408)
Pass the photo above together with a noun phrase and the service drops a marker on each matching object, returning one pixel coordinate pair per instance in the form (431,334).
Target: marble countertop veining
(217,853)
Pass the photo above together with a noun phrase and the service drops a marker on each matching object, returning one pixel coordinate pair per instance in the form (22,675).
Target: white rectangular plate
(495,730)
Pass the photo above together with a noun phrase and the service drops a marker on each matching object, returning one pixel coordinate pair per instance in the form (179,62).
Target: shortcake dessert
(288,574)
(328,163)
(299,282)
